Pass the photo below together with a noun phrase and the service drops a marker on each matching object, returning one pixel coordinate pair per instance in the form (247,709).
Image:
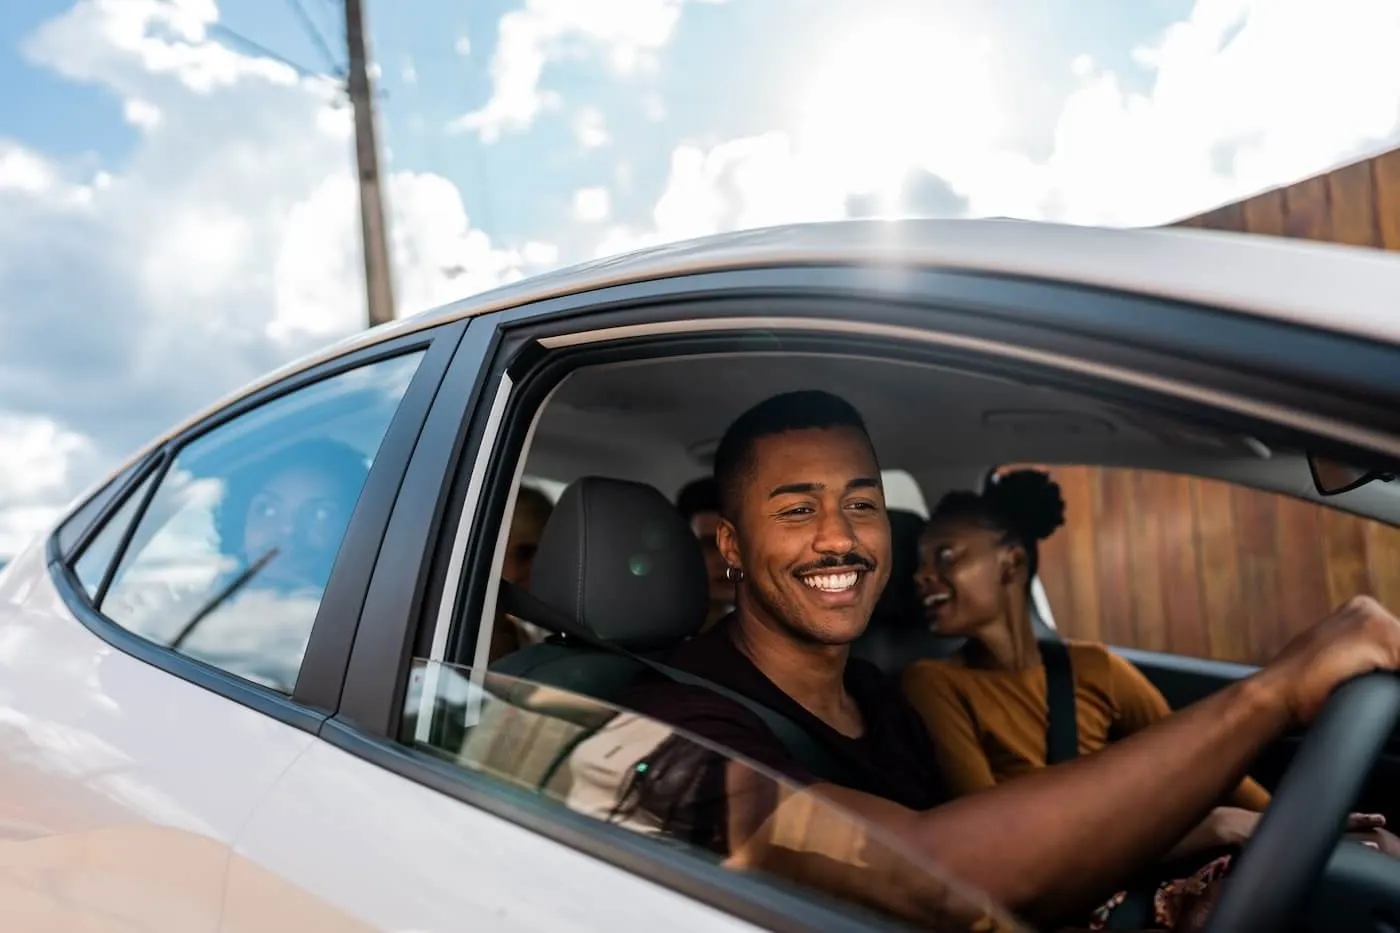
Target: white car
(246,684)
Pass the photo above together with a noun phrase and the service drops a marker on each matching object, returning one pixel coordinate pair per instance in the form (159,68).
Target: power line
(266,52)
(314,31)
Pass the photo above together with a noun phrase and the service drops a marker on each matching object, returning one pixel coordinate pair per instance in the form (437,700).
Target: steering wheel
(1275,872)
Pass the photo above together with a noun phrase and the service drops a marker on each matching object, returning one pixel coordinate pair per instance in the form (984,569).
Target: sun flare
(896,94)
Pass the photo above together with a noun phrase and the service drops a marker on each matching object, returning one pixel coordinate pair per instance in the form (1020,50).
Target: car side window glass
(93,562)
(230,559)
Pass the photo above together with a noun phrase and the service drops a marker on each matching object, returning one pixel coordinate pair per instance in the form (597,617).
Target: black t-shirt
(893,758)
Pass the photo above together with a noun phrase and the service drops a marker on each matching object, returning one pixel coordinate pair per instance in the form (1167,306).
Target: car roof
(1346,289)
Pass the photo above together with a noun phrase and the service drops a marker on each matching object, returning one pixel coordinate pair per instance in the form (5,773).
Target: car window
(77,523)
(229,560)
(1199,567)
(634,774)
(93,562)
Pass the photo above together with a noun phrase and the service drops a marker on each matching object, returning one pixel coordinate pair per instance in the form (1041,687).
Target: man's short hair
(696,496)
(809,409)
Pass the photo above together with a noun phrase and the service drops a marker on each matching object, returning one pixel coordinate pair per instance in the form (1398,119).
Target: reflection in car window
(640,775)
(229,560)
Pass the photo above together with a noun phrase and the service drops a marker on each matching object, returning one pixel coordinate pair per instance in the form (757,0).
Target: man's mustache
(858,561)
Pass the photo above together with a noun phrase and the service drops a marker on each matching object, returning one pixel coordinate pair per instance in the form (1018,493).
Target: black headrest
(899,603)
(617,558)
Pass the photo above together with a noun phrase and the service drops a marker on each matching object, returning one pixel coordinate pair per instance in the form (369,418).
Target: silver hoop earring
(733,574)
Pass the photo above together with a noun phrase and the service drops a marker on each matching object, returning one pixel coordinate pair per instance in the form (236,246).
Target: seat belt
(804,749)
(1135,912)
(1061,724)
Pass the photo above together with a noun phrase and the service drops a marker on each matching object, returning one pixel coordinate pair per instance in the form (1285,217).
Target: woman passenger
(986,707)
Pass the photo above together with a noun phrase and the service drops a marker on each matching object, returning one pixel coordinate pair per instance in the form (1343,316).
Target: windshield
(642,776)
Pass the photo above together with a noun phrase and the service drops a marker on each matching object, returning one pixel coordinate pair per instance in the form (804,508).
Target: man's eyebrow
(795,489)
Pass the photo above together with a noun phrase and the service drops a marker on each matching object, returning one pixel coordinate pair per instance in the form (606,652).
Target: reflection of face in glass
(285,515)
(296,514)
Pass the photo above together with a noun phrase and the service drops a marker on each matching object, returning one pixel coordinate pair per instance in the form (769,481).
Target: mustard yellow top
(988,726)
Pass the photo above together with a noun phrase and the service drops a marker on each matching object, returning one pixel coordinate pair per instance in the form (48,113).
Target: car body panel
(416,859)
(102,754)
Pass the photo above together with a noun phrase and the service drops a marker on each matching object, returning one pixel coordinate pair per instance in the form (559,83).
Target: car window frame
(476,460)
(77,529)
(316,694)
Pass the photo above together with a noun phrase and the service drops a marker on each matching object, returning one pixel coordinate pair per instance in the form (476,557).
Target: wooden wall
(1197,567)
(1357,204)
(1204,568)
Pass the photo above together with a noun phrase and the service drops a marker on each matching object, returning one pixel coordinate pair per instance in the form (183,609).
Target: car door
(381,833)
(373,824)
(152,688)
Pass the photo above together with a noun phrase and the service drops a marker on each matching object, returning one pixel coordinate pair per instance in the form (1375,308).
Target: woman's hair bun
(1029,501)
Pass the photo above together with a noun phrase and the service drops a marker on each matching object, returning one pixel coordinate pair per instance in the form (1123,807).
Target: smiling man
(807,539)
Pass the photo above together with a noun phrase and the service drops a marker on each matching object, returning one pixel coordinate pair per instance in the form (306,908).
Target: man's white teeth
(936,599)
(832,582)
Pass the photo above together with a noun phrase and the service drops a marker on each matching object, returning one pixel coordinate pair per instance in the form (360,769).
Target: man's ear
(727,539)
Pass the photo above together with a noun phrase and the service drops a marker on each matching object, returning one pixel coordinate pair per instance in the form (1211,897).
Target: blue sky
(177,212)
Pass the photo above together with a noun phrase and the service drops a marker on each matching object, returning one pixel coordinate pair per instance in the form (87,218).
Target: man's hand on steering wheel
(1290,847)
(1359,638)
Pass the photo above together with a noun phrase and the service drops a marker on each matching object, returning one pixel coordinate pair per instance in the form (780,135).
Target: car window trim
(1351,434)
(114,488)
(157,476)
(293,710)
(401,583)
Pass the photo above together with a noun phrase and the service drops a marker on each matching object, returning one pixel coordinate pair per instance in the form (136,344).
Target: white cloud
(592,204)
(628,33)
(35,475)
(1233,108)
(742,183)
(540,254)
(463,45)
(224,244)
(23,171)
(409,75)
(589,128)
(141,114)
(37,455)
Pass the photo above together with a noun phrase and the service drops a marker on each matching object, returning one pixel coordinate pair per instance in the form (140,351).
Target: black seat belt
(1061,745)
(804,749)
(1061,724)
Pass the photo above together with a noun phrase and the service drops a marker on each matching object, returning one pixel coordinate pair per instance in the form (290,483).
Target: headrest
(617,558)
(899,603)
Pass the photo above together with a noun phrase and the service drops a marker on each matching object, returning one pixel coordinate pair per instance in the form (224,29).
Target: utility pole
(379,286)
